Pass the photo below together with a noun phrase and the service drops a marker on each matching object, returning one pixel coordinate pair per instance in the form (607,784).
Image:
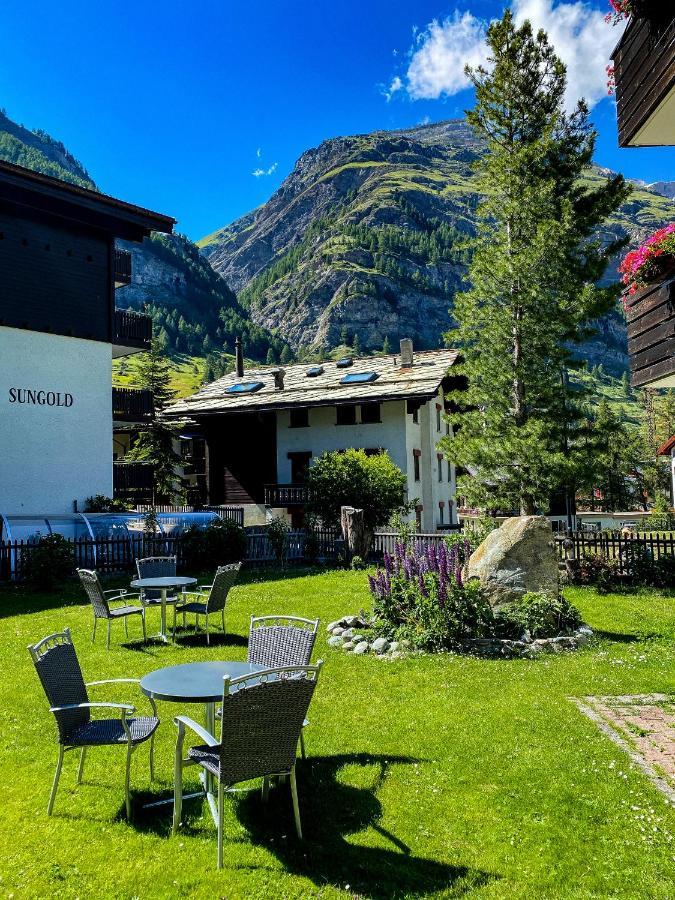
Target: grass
(431,776)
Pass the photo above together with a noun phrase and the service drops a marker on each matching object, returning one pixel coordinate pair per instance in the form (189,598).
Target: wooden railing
(651,333)
(132,329)
(286,494)
(132,405)
(122,267)
(133,481)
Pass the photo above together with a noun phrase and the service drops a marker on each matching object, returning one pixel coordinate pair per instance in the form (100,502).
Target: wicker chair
(261,723)
(210,598)
(59,671)
(100,603)
(274,641)
(156,567)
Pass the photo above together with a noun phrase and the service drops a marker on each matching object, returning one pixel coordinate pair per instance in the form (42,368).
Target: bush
(420,596)
(646,571)
(352,478)
(541,613)
(277,535)
(221,542)
(595,569)
(49,562)
(357,563)
(101,503)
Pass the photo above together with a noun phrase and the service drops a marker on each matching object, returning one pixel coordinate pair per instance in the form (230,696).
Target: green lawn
(444,776)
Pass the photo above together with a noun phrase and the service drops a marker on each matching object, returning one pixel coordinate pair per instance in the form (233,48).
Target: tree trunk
(358,538)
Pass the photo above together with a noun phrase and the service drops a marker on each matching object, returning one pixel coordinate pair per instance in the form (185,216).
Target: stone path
(644,727)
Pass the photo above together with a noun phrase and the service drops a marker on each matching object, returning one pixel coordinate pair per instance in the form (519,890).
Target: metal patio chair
(101,600)
(209,599)
(282,641)
(59,671)
(262,718)
(156,567)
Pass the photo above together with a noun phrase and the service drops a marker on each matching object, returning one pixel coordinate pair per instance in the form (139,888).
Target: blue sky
(175,105)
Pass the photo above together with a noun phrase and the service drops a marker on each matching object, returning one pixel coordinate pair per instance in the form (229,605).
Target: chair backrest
(155,567)
(262,720)
(281,640)
(59,671)
(225,578)
(92,586)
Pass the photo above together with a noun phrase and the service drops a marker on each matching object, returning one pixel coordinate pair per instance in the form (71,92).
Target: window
(447,428)
(345,415)
(418,517)
(441,512)
(438,416)
(449,471)
(299,465)
(359,378)
(370,413)
(299,418)
(373,451)
(244,387)
(314,371)
(440,466)
(416,416)
(416,463)
(344,363)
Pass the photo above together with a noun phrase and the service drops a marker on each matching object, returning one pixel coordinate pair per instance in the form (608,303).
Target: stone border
(352,634)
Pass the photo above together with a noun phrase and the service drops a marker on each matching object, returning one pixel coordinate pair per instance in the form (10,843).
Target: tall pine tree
(533,273)
(154,444)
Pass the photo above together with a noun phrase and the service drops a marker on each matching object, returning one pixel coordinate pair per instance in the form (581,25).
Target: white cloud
(579,34)
(258,173)
(395,86)
(258,152)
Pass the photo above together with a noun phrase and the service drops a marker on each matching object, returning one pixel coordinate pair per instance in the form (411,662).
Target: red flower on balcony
(650,261)
(620,10)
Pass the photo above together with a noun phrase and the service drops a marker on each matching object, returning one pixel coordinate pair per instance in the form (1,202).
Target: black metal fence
(616,546)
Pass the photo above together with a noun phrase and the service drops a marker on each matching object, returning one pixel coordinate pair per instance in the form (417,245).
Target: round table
(164,584)
(197,682)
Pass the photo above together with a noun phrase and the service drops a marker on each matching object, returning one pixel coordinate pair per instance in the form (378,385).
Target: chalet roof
(422,380)
(667,447)
(43,194)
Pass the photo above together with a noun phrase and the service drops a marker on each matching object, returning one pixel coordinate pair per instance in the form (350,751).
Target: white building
(260,429)
(59,331)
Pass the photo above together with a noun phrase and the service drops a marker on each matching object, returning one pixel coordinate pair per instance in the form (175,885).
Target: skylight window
(344,363)
(244,387)
(359,378)
(313,371)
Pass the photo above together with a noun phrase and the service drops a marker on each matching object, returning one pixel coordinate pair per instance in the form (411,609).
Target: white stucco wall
(396,433)
(51,455)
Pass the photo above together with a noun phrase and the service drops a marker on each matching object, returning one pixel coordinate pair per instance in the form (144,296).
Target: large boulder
(518,557)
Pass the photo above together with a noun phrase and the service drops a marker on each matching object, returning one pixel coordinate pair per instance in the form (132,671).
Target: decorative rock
(393,646)
(358,638)
(361,648)
(348,634)
(349,621)
(348,645)
(518,557)
(332,625)
(380,645)
(338,630)
(405,644)
(335,641)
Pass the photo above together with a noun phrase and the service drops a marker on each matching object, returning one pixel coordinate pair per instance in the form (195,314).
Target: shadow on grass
(331,809)
(619,637)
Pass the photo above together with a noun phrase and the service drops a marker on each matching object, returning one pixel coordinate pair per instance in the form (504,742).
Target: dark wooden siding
(651,333)
(644,68)
(54,278)
(241,456)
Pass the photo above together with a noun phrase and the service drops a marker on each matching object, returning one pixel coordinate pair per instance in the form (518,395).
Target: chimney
(279,378)
(406,353)
(239,358)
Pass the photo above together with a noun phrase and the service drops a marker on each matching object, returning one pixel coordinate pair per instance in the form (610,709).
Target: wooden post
(357,537)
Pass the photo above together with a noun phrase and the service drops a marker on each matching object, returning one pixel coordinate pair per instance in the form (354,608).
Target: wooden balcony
(644,72)
(130,405)
(122,268)
(132,332)
(277,495)
(651,335)
(133,481)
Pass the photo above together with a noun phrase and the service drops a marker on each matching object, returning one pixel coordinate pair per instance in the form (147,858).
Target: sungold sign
(39,397)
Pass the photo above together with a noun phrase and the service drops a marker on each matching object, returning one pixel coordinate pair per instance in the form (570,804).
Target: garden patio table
(163,585)
(197,682)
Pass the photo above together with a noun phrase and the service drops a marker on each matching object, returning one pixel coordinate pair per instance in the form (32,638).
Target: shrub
(101,503)
(49,562)
(221,542)
(646,571)
(372,483)
(277,535)
(420,595)
(594,569)
(358,563)
(541,613)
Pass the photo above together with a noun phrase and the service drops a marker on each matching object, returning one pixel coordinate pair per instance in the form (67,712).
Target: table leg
(210,709)
(163,619)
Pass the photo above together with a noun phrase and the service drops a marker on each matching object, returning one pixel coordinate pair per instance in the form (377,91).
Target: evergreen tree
(625,386)
(286,355)
(344,333)
(271,357)
(356,345)
(154,444)
(532,275)
(386,346)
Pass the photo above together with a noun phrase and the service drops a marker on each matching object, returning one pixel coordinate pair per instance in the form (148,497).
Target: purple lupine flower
(372,583)
(388,561)
(442,592)
(422,585)
(458,576)
(399,550)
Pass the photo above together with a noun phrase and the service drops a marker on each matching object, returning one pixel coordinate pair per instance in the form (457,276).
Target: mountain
(664,188)
(193,309)
(364,238)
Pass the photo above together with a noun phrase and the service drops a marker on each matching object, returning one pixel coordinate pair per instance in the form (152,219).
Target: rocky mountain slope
(193,309)
(364,238)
